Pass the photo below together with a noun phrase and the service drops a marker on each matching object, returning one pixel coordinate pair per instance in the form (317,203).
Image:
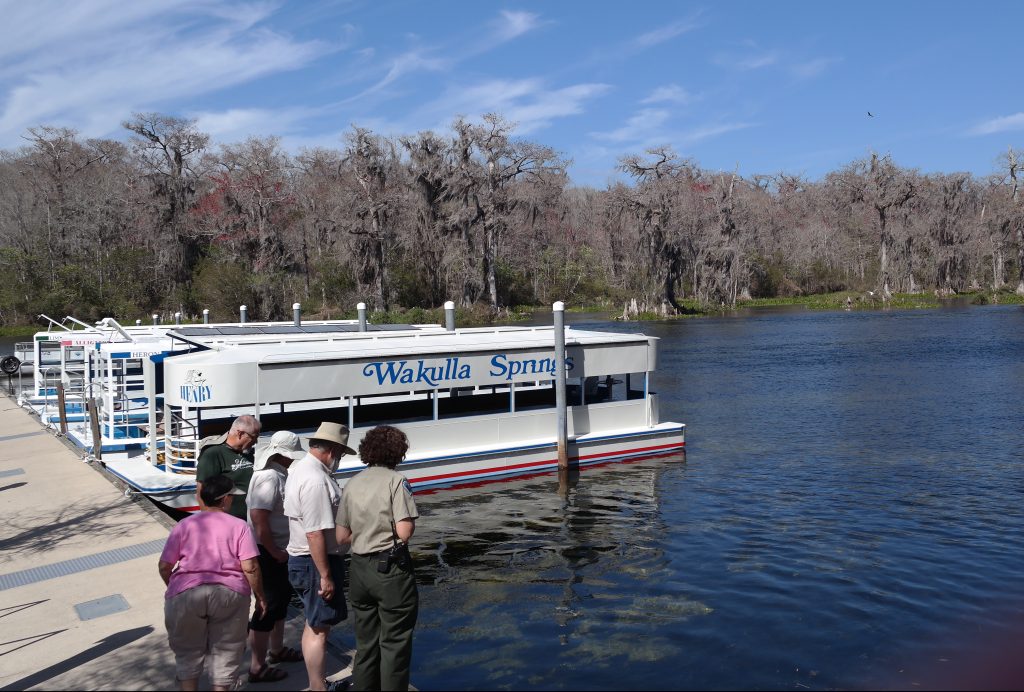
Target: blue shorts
(305,579)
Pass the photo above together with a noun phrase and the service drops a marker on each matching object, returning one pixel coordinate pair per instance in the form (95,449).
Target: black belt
(376,554)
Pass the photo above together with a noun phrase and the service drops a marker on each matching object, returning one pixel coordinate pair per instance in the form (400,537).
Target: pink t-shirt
(208,548)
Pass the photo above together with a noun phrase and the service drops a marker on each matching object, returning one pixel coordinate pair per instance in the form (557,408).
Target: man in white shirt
(270,527)
(315,566)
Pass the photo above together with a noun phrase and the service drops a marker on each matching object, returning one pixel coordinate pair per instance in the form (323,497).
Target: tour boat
(477,404)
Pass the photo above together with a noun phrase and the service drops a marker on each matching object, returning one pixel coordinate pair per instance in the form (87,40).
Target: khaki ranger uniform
(385,603)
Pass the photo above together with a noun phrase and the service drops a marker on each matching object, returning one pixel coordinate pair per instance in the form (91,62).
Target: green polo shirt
(237,466)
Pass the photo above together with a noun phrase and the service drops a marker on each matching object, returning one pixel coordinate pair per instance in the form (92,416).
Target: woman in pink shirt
(210,568)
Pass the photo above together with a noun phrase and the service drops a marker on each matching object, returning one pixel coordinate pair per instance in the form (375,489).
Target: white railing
(180,442)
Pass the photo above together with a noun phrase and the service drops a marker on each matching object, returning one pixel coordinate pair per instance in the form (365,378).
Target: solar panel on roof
(334,328)
(389,327)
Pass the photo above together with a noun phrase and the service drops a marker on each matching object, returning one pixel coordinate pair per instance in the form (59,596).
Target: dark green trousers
(385,607)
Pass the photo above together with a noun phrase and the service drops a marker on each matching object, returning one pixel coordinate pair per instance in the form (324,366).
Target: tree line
(168,222)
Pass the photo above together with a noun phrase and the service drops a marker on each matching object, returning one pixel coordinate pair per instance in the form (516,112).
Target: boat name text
(433,373)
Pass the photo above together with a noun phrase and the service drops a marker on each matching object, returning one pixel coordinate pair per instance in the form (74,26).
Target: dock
(81,601)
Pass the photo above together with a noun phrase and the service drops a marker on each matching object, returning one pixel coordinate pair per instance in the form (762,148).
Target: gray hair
(247,424)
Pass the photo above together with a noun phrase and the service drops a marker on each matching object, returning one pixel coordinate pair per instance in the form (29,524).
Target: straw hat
(336,433)
(283,442)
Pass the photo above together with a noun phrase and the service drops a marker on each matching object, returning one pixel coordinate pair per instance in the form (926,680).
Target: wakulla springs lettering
(433,373)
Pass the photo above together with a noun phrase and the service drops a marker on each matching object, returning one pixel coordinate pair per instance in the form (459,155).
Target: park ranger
(378,516)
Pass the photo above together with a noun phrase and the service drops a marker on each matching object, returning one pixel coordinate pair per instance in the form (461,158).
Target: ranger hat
(335,433)
(283,442)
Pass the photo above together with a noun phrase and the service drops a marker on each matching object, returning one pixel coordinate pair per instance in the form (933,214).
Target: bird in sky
(870,114)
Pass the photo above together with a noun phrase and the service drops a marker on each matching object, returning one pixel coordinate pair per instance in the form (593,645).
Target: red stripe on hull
(543,462)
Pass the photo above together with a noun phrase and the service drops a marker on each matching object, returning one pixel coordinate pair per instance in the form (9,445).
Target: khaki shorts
(208,624)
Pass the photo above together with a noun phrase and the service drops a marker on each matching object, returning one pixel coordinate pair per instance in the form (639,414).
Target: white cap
(559,306)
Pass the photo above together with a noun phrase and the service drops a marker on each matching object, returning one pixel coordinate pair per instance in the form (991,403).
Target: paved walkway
(81,602)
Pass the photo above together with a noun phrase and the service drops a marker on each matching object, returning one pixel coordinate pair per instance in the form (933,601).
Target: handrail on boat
(180,454)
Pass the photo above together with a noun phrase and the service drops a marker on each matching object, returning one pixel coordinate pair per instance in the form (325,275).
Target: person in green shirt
(233,458)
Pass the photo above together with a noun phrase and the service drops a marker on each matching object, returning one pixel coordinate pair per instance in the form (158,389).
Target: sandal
(268,674)
(286,655)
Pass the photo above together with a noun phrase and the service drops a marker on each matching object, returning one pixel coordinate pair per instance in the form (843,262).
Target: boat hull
(467,467)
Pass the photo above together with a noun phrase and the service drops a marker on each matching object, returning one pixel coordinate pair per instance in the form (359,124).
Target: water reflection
(534,575)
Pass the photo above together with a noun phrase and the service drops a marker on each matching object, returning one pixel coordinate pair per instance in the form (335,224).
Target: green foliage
(221,287)
(514,284)
(332,289)
(409,285)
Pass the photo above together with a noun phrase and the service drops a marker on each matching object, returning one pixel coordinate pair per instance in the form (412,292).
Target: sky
(797,87)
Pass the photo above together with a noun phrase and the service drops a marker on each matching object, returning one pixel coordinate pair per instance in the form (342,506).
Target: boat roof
(385,345)
(369,363)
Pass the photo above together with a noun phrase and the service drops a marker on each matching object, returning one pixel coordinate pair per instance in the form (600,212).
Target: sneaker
(338,685)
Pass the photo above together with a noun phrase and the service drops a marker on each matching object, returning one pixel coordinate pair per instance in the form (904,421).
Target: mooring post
(449,315)
(177,318)
(361,309)
(92,409)
(62,409)
(206,315)
(243,314)
(297,314)
(558,310)
(156,319)
(138,323)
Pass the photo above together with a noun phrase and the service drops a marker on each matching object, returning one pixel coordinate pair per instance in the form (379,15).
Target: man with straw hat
(315,567)
(270,527)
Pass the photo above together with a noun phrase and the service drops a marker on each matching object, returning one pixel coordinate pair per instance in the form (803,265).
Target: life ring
(10,365)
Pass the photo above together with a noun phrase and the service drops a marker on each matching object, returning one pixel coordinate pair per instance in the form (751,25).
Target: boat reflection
(533,562)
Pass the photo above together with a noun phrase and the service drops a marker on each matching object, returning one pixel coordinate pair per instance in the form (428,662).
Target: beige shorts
(208,624)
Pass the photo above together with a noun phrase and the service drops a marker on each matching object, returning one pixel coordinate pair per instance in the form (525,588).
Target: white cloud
(653,38)
(404,64)
(646,128)
(237,124)
(513,24)
(526,102)
(670,93)
(709,131)
(92,68)
(812,68)
(640,127)
(747,62)
(1005,123)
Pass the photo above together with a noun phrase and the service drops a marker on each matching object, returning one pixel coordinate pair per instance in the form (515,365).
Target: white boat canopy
(390,362)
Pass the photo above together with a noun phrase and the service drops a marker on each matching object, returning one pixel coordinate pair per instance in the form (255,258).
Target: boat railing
(180,445)
(51,380)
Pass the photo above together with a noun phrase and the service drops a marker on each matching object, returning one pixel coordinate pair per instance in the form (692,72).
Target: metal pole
(149,387)
(243,314)
(206,315)
(558,310)
(94,425)
(297,314)
(361,309)
(449,316)
(62,409)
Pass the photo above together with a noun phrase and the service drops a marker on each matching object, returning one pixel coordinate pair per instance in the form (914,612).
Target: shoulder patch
(407,485)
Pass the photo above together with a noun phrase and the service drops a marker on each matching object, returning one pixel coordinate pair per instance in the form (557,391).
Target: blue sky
(765,87)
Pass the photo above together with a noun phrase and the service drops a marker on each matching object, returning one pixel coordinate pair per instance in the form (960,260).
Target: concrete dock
(81,601)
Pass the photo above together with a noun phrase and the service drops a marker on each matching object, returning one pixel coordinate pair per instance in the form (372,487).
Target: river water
(849,514)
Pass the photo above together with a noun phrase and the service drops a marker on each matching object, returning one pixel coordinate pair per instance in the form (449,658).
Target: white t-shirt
(266,491)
